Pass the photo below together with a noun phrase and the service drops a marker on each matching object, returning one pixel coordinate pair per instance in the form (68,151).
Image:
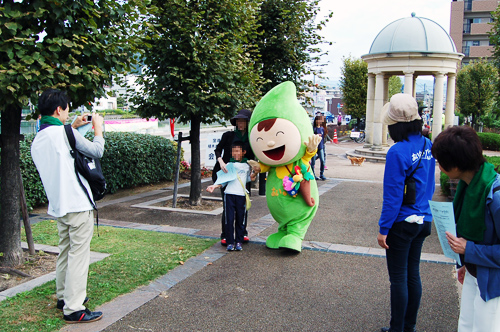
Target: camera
(89,118)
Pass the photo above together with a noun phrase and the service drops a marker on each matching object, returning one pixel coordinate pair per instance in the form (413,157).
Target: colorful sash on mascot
(299,181)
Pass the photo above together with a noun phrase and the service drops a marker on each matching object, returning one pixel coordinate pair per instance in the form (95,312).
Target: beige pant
(75,232)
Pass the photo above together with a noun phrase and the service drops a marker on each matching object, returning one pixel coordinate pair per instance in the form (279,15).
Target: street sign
(212,141)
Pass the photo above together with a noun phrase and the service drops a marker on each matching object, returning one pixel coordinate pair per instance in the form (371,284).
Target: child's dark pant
(234,207)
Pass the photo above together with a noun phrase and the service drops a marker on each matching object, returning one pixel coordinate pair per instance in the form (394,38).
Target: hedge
(33,188)
(490,141)
(444,179)
(129,160)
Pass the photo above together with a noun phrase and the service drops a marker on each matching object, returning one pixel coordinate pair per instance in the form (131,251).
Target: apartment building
(469,26)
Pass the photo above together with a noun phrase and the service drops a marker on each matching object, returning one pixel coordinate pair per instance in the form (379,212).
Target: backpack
(89,168)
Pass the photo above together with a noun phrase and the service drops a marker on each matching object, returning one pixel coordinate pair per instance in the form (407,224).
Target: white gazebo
(411,47)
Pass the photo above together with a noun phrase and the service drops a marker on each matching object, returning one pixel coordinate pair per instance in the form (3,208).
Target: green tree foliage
(477,89)
(65,44)
(199,67)
(354,85)
(395,86)
(494,34)
(288,41)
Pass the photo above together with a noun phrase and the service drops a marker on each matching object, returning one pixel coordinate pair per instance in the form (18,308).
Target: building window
(475,43)
(480,20)
(468,5)
(466,50)
(467,23)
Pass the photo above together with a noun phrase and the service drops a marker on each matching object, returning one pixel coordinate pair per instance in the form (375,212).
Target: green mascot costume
(282,138)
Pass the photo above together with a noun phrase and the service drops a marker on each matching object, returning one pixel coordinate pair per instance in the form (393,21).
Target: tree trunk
(195,190)
(10,222)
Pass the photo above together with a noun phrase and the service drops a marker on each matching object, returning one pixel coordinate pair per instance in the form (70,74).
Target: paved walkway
(338,283)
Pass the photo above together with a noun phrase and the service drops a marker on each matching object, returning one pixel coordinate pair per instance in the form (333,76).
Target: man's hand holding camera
(96,119)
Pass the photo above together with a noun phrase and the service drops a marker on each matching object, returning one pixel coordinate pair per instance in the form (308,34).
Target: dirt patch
(183,203)
(35,266)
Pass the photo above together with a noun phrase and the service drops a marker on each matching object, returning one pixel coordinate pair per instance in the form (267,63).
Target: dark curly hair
(458,147)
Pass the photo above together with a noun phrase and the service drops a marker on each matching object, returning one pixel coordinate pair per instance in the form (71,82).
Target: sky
(356,23)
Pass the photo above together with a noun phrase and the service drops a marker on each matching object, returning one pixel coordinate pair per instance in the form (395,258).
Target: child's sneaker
(230,247)
(326,167)
(246,239)
(238,247)
(223,242)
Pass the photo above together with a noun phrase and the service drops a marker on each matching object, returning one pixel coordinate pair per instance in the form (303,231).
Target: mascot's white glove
(313,143)
(255,165)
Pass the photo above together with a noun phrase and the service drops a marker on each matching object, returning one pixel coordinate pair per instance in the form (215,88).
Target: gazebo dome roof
(413,34)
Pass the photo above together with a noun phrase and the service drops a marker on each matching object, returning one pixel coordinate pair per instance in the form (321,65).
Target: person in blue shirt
(477,215)
(404,225)
(319,130)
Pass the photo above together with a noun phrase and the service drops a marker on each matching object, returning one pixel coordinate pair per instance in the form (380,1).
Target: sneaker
(317,179)
(60,303)
(223,242)
(322,178)
(246,239)
(238,247)
(83,316)
(326,167)
(230,247)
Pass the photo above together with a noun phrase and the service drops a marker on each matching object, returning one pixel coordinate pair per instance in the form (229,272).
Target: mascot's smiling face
(275,141)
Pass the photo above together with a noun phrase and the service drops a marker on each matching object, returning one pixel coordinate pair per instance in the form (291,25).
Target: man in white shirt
(67,200)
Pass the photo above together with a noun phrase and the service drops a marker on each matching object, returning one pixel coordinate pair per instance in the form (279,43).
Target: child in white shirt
(238,174)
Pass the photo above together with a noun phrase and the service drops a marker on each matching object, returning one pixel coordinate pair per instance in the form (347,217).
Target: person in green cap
(282,139)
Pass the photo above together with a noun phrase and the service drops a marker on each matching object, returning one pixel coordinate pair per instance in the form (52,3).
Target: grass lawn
(137,258)
(493,160)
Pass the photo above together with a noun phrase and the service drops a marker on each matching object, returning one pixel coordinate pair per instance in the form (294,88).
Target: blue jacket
(486,254)
(401,160)
(320,131)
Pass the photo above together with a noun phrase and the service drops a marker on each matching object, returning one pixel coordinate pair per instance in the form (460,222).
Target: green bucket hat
(281,102)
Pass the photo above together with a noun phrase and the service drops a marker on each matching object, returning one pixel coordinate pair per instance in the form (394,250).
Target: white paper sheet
(444,221)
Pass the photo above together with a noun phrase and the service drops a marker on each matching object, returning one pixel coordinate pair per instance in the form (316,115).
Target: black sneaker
(83,316)
(60,303)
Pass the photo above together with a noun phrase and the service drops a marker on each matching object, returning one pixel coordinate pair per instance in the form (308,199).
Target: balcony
(480,51)
(483,6)
(480,28)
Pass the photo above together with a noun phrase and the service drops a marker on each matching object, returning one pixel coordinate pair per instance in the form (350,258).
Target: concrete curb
(29,285)
(126,303)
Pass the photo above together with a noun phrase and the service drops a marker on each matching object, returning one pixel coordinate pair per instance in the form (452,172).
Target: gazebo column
(450,101)
(408,82)
(370,94)
(386,99)
(437,112)
(377,108)
(414,86)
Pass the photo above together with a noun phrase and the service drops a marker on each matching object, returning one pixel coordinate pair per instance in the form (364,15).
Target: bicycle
(358,136)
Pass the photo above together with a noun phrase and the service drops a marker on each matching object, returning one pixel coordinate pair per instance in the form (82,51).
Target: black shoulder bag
(410,193)
(89,168)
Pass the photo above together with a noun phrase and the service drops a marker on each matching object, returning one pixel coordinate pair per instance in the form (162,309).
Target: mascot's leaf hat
(281,102)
